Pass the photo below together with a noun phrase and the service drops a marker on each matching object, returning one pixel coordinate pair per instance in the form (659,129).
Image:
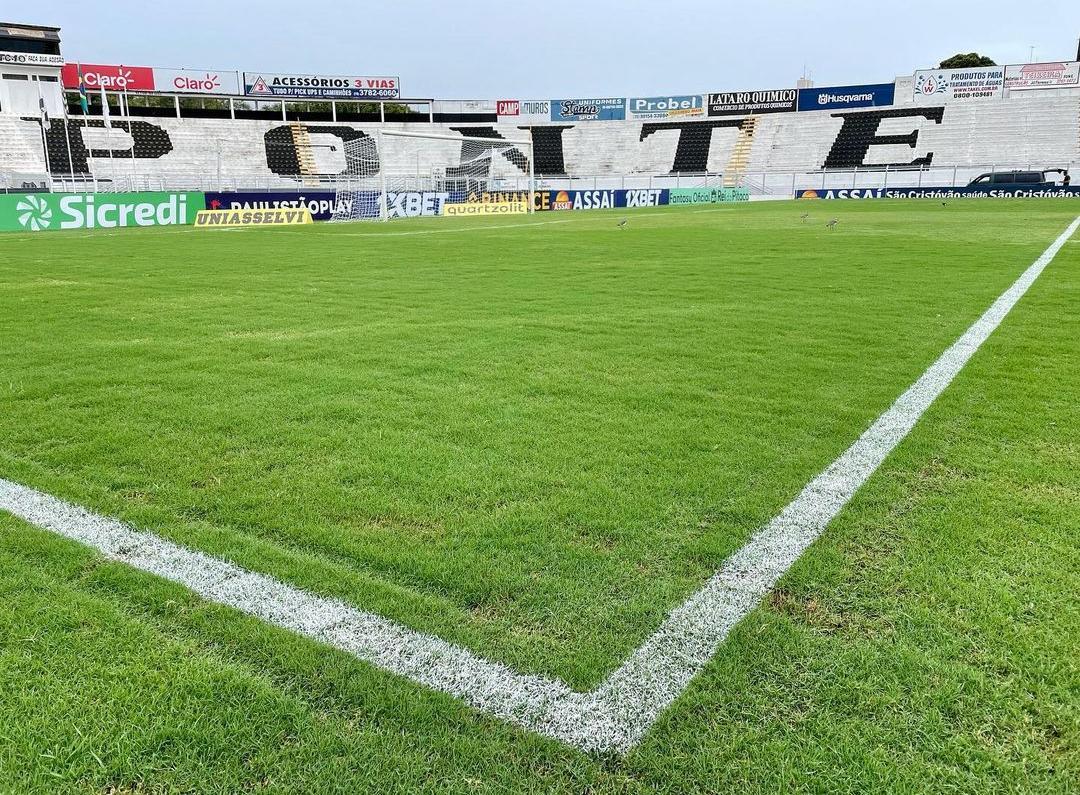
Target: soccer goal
(404,174)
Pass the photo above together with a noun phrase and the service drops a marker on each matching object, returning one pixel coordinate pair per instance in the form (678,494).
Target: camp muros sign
(41,212)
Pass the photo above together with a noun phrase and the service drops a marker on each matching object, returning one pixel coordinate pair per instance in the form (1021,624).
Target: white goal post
(404,174)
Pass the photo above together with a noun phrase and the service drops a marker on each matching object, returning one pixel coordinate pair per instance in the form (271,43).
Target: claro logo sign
(197,81)
(108,76)
(209,83)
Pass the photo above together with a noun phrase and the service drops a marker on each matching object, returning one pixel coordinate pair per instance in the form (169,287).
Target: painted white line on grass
(279,231)
(433,231)
(616,715)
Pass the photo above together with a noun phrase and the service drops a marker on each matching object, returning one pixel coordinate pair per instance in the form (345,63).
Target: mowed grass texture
(534,442)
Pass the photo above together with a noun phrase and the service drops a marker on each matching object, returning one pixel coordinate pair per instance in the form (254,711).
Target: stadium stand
(176,153)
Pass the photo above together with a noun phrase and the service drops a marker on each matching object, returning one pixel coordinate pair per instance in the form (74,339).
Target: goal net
(404,174)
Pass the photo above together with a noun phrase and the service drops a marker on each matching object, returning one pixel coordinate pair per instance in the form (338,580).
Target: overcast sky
(481,49)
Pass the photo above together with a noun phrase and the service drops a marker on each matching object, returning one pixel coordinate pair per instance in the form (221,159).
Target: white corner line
(615,716)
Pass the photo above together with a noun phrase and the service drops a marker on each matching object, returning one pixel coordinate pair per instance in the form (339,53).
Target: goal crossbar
(442,137)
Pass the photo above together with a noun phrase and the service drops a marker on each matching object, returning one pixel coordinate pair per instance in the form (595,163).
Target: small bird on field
(622,223)
(805,217)
(832,224)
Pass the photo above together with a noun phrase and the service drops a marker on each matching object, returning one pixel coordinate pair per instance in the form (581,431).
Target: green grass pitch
(534,439)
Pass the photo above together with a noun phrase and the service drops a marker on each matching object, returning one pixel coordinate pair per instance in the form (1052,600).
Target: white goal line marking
(616,715)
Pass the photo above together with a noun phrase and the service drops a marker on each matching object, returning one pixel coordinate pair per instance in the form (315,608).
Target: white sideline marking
(617,714)
(433,231)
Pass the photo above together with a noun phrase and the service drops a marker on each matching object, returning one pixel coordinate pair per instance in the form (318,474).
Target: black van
(1028,179)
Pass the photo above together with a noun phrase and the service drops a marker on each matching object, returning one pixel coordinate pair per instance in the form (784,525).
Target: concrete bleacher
(769,153)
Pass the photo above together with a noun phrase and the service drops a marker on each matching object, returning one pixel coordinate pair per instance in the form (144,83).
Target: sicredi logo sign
(38,212)
(686,105)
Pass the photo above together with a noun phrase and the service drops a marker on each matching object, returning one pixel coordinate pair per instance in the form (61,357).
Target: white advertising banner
(197,81)
(943,85)
(459,106)
(31,59)
(1060,74)
(297,86)
(531,111)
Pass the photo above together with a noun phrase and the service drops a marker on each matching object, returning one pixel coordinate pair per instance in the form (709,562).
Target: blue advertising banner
(964,192)
(832,97)
(403,204)
(588,109)
(415,204)
(320,203)
(603,199)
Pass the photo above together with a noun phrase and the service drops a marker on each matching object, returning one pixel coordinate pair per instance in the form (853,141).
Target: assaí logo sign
(842,193)
(583,200)
(37,212)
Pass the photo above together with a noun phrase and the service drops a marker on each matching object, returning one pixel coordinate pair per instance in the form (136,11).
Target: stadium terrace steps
(740,155)
(304,154)
(20,146)
(1040,131)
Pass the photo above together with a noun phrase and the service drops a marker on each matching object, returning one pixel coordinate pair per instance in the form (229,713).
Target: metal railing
(121,177)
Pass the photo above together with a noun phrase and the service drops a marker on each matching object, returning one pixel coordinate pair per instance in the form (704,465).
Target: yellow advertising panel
(486,208)
(278,217)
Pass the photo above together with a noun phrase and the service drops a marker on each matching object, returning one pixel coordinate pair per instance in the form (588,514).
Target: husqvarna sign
(836,97)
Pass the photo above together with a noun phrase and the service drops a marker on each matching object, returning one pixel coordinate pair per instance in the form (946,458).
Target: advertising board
(111,77)
(608,108)
(234,218)
(682,106)
(1042,75)
(41,212)
(834,97)
(937,85)
(963,192)
(732,103)
(197,81)
(278,84)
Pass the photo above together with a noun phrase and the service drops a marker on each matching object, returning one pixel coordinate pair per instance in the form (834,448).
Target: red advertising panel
(509,107)
(111,78)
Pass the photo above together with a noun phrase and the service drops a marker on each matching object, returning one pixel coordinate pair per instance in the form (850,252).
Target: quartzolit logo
(33,213)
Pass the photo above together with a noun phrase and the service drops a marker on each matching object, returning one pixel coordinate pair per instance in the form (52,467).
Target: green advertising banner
(39,212)
(707,195)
